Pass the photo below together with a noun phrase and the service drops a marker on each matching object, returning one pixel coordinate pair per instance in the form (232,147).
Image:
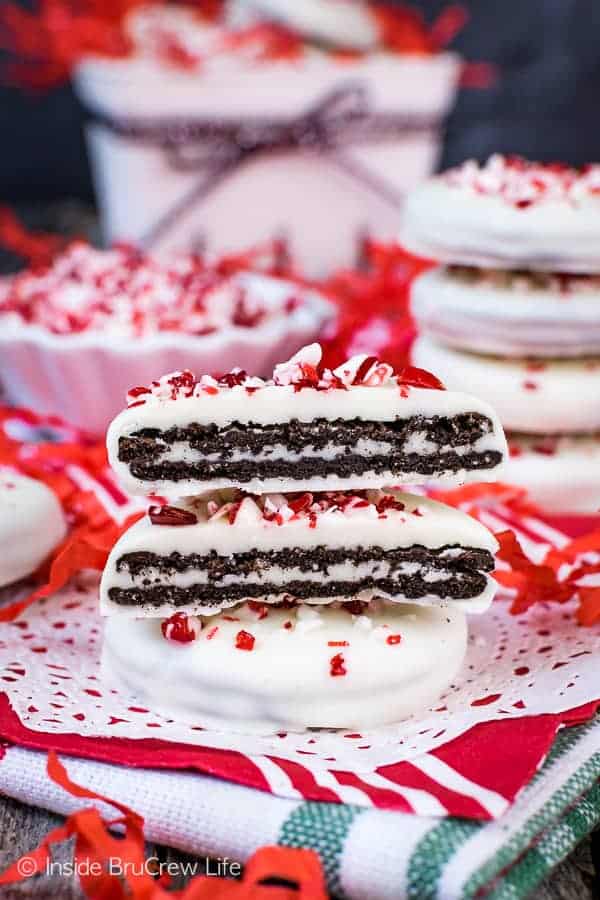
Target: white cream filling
(180,451)
(346,571)
(416,443)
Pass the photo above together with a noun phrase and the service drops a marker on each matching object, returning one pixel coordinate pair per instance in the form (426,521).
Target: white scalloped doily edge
(537,663)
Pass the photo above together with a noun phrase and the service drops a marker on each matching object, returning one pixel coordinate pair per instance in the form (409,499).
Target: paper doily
(534,664)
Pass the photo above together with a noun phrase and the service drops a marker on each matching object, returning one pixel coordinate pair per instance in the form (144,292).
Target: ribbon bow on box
(217,147)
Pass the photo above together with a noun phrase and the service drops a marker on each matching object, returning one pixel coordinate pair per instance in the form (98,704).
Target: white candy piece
(334,675)
(561,475)
(32,524)
(225,529)
(494,216)
(538,397)
(340,23)
(509,314)
(358,391)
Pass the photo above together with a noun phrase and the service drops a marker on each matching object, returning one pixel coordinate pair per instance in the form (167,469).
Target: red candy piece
(185,382)
(301,504)
(389,502)
(233,512)
(365,367)
(337,666)
(138,391)
(259,608)
(393,639)
(412,376)
(177,628)
(244,640)
(171,515)
(233,379)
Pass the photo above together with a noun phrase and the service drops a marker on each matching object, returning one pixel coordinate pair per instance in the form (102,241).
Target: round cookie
(561,475)
(292,668)
(341,23)
(32,524)
(509,313)
(532,396)
(508,214)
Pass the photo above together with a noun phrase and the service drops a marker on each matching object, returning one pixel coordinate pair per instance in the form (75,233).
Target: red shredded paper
(373,306)
(556,579)
(47,43)
(37,249)
(96,845)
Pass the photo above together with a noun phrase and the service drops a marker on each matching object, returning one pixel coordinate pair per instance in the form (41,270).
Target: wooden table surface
(22,828)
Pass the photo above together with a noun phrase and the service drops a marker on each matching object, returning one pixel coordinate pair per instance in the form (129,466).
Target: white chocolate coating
(285,681)
(280,404)
(561,475)
(340,23)
(504,314)
(32,524)
(422,522)
(455,225)
(553,397)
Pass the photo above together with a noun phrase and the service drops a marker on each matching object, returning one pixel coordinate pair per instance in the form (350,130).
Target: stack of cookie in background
(512,313)
(284,587)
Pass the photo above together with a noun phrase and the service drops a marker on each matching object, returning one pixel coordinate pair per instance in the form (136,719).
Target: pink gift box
(318,150)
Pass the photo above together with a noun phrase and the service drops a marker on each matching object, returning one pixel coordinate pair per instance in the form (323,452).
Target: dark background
(544,104)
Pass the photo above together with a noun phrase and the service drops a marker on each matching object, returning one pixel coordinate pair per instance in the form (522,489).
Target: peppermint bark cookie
(508,214)
(32,525)
(264,670)
(306,429)
(536,396)
(207,555)
(509,313)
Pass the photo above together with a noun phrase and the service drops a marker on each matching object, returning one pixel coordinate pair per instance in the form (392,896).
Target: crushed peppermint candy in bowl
(77,333)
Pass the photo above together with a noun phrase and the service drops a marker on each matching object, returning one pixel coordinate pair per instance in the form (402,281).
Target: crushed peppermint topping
(126,293)
(522,183)
(302,371)
(233,507)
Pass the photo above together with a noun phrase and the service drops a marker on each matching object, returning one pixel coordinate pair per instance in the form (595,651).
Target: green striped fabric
(453,858)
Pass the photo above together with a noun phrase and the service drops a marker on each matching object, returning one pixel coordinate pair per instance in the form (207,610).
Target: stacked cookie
(512,312)
(288,588)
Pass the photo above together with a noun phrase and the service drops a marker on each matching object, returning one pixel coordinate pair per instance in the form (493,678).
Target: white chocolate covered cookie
(32,524)
(308,428)
(509,313)
(208,554)
(535,396)
(508,214)
(290,669)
